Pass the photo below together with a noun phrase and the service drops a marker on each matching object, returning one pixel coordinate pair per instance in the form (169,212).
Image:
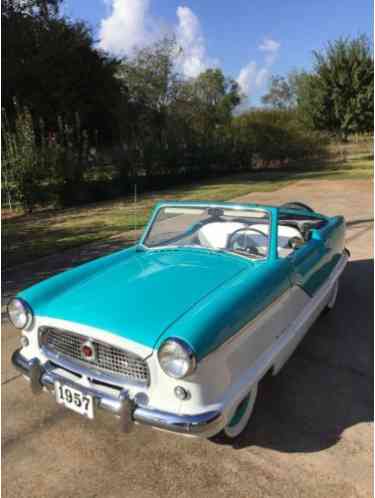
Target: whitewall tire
(239,418)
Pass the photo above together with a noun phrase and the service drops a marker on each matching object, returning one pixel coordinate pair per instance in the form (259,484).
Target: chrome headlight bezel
(176,358)
(24,311)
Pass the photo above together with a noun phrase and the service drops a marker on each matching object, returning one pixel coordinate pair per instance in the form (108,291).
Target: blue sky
(249,40)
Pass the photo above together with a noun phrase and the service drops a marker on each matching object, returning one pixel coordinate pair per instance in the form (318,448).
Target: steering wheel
(248,248)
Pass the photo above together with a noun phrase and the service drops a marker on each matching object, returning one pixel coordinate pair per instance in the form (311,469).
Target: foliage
(22,168)
(34,158)
(52,68)
(338,95)
(280,93)
(41,8)
(276,136)
(211,99)
(152,87)
(147,123)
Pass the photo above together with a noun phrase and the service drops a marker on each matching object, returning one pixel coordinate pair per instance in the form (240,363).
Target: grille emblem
(88,351)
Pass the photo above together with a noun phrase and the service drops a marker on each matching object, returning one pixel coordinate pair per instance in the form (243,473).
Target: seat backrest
(285,233)
(215,235)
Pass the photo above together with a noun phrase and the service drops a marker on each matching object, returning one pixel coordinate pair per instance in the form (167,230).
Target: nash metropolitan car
(177,331)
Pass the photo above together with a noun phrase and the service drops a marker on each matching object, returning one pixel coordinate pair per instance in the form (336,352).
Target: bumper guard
(44,377)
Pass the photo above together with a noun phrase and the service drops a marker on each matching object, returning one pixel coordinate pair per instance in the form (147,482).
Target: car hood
(136,295)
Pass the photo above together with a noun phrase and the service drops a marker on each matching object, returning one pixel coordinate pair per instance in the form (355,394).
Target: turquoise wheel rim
(239,413)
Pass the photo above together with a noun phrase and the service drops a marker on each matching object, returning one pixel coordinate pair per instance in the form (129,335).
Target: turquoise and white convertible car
(177,331)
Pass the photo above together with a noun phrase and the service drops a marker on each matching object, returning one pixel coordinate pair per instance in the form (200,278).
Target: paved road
(311,434)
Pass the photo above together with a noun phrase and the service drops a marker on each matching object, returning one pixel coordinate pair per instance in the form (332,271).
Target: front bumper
(44,377)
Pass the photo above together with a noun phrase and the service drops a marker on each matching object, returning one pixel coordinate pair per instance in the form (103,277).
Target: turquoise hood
(134,294)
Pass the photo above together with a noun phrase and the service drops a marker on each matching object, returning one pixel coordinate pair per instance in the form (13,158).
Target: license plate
(75,400)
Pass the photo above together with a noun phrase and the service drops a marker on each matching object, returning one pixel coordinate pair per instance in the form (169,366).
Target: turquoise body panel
(217,317)
(199,295)
(133,294)
(314,262)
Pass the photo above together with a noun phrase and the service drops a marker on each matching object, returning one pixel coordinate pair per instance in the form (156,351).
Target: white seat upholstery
(285,233)
(215,235)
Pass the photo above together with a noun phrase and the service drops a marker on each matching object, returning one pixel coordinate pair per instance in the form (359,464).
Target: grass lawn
(27,237)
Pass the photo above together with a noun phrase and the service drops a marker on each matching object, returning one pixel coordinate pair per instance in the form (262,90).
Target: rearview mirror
(295,243)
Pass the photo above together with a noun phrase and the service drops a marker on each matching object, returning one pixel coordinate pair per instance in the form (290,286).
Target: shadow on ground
(15,279)
(327,385)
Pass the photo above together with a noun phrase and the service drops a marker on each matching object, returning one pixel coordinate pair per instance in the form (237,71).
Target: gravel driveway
(311,434)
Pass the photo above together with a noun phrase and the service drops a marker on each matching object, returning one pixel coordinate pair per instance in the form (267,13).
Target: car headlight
(19,313)
(176,358)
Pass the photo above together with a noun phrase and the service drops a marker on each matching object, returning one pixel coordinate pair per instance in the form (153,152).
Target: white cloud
(193,58)
(269,45)
(129,25)
(261,77)
(271,48)
(251,77)
(246,78)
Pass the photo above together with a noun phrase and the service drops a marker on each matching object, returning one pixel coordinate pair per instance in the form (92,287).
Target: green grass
(28,237)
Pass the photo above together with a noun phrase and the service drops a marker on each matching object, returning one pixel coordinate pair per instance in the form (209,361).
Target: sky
(250,40)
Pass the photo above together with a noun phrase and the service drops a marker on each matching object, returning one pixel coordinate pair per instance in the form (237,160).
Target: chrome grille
(110,359)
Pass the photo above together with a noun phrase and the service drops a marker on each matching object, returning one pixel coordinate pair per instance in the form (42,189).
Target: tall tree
(338,95)
(51,67)
(213,97)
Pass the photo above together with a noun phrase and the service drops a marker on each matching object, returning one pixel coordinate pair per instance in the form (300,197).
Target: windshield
(242,231)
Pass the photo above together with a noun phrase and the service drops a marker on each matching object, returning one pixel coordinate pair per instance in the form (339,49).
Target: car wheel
(240,418)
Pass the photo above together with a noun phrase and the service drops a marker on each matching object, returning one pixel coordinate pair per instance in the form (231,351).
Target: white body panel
(160,392)
(226,375)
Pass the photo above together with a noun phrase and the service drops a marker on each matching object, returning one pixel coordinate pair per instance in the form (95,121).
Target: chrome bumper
(44,377)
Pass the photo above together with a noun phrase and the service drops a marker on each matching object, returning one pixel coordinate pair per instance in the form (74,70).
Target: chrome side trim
(44,376)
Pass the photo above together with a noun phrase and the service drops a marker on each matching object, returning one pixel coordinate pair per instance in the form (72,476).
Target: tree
(50,66)
(306,96)
(150,76)
(152,87)
(21,165)
(338,95)
(280,94)
(213,97)
(42,8)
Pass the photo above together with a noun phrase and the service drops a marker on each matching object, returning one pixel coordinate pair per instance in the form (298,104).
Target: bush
(55,167)
(277,136)
(40,166)
(23,165)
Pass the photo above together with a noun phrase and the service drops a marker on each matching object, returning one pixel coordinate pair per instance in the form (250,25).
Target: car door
(314,261)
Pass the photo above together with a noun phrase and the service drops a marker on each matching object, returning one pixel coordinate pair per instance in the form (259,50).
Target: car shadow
(327,385)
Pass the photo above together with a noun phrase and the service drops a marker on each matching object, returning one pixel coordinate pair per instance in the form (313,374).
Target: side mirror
(315,234)
(295,243)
